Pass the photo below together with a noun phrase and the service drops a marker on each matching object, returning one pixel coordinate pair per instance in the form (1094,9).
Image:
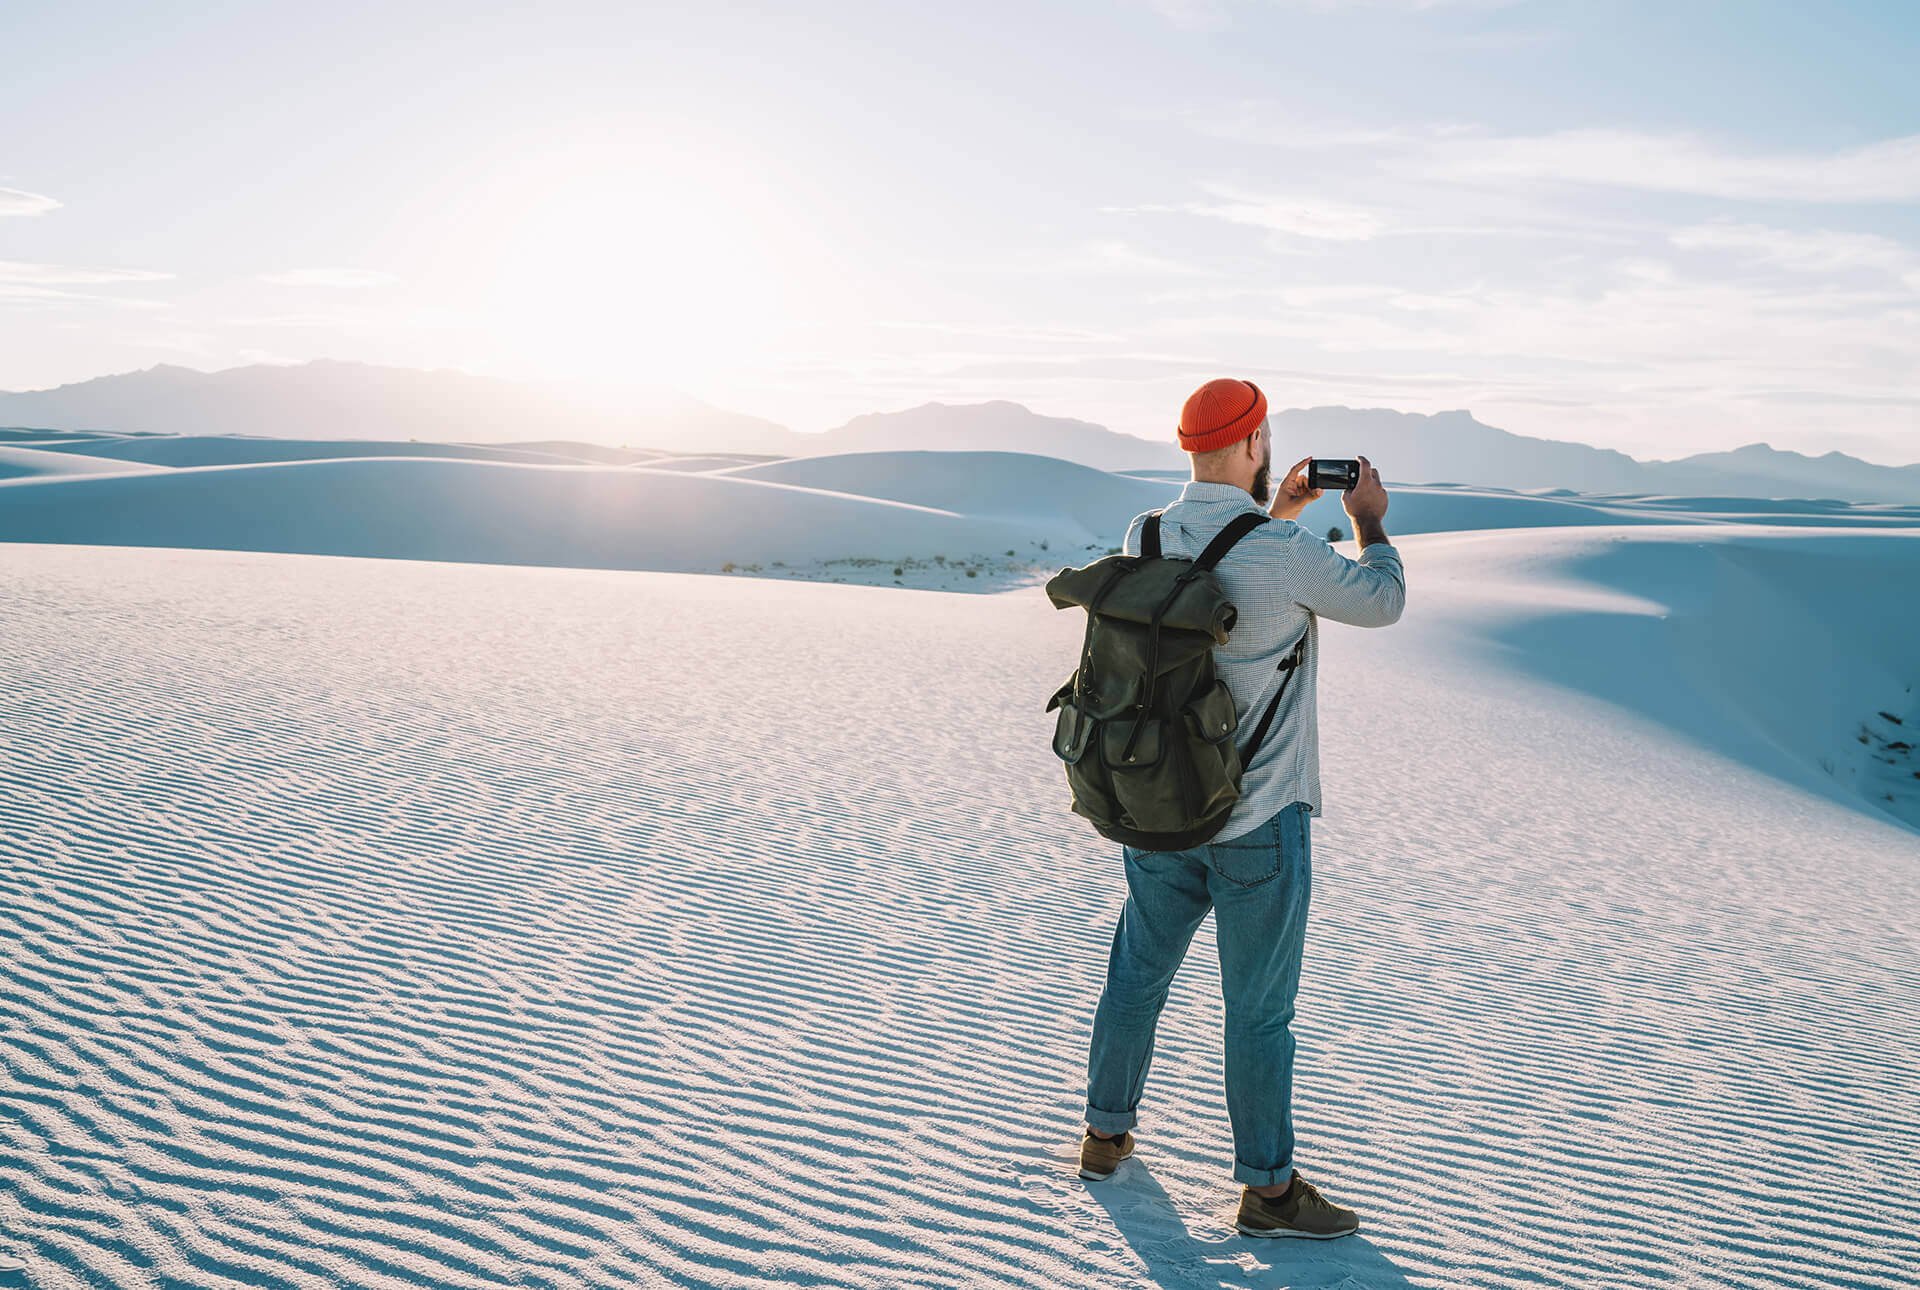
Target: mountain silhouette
(331,400)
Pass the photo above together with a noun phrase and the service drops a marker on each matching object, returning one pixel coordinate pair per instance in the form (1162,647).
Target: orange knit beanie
(1221,412)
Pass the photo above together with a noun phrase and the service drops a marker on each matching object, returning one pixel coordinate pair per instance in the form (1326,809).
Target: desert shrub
(896,571)
(727,567)
(1334,534)
(973,573)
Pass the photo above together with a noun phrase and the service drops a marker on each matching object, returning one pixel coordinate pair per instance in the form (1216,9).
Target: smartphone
(1332,472)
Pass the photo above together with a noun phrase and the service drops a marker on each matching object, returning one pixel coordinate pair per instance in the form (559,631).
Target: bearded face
(1262,489)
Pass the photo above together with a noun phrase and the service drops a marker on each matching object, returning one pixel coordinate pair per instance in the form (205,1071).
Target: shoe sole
(1293,1232)
(1091,1176)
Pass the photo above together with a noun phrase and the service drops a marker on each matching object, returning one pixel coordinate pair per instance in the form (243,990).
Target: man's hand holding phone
(1294,493)
(1367,499)
(1366,505)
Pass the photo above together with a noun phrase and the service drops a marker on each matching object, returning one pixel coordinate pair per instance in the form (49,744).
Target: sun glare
(627,263)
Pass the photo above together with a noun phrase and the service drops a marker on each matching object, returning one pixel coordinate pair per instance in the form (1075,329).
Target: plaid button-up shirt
(1280,578)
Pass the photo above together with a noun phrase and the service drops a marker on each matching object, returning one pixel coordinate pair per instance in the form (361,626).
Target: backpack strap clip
(1290,664)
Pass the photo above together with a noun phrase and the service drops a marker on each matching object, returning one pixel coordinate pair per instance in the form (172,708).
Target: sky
(1666,227)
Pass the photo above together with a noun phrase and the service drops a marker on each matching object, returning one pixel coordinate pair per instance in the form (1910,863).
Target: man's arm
(1368,592)
(1369,531)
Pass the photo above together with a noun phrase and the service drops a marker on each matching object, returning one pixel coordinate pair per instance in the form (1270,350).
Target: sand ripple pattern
(376,924)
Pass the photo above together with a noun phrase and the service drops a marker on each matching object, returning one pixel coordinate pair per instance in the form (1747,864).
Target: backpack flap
(1144,593)
(1212,714)
(1071,733)
(1082,586)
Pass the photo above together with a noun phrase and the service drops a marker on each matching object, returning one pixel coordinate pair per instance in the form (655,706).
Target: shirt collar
(1206,490)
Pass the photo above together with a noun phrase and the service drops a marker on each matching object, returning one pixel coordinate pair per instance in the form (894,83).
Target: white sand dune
(1011,485)
(387,924)
(429,509)
(17,462)
(574,450)
(240,450)
(32,435)
(1451,508)
(1039,489)
(701,463)
(975,520)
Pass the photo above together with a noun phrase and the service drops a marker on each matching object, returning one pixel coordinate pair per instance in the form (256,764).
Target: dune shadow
(1778,655)
(1176,1256)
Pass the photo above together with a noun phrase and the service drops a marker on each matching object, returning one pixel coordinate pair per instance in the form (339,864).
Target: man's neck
(1246,488)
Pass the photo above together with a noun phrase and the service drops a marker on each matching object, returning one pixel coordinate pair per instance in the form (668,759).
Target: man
(1255,873)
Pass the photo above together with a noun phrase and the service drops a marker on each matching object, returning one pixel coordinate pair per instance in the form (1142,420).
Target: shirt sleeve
(1130,544)
(1368,592)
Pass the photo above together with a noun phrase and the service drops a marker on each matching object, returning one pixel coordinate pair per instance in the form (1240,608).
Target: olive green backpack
(1146,728)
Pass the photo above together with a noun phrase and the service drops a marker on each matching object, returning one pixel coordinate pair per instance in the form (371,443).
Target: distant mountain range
(1452,447)
(335,400)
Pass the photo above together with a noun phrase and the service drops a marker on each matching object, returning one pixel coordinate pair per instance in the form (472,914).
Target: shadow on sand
(1152,1227)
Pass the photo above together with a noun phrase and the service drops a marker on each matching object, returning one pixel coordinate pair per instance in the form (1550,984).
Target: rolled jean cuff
(1110,1121)
(1247,1174)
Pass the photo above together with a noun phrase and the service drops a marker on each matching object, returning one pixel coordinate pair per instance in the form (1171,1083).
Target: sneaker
(1303,1211)
(1099,1157)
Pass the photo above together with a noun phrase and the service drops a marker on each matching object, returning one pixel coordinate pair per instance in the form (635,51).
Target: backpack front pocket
(1072,732)
(1150,782)
(1147,750)
(1212,714)
(1216,758)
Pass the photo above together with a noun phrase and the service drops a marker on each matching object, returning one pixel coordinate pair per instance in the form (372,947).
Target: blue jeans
(1257,884)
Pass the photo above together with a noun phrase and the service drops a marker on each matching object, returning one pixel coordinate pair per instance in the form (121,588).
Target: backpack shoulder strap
(1150,537)
(1237,527)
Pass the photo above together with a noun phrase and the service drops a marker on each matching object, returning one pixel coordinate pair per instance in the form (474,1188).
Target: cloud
(1300,217)
(306,320)
(1005,331)
(1330,221)
(15,291)
(1193,15)
(1415,6)
(1212,15)
(1101,257)
(24,283)
(1881,171)
(1885,171)
(15,202)
(1802,250)
(1114,254)
(60,275)
(345,279)
(268,358)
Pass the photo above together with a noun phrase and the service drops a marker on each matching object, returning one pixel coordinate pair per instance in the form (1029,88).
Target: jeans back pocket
(1255,857)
